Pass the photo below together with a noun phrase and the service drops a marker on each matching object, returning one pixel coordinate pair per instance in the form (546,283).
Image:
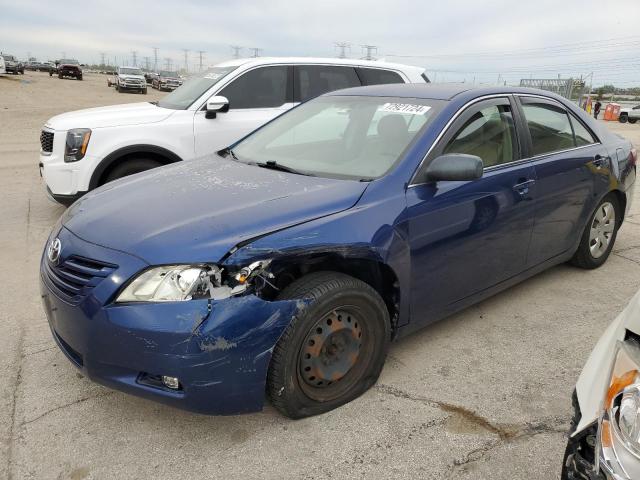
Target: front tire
(129,167)
(599,235)
(334,350)
(623,118)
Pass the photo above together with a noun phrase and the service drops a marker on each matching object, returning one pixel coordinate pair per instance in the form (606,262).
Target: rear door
(466,236)
(255,97)
(311,81)
(572,170)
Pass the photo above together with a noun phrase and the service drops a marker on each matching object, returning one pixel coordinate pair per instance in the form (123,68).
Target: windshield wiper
(273,165)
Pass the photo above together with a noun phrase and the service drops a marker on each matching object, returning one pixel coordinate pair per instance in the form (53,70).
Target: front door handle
(523,187)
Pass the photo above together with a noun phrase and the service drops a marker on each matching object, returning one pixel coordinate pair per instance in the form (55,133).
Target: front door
(466,236)
(255,97)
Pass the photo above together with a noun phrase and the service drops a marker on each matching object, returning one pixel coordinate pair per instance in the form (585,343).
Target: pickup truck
(130,78)
(13,65)
(85,149)
(630,115)
(67,67)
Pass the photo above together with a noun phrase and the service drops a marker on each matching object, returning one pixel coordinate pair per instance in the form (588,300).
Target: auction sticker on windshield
(404,108)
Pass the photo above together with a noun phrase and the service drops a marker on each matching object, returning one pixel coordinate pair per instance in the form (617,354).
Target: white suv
(84,149)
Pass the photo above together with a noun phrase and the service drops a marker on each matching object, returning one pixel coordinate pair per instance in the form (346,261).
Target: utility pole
(256,51)
(370,49)
(200,52)
(342,46)
(236,50)
(155,59)
(186,54)
(134,54)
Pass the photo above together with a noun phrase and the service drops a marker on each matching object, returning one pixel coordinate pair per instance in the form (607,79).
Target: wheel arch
(161,154)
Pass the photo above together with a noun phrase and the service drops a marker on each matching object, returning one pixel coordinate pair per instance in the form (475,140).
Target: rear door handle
(523,187)
(599,161)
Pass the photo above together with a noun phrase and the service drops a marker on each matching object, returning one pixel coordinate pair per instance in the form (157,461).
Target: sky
(480,41)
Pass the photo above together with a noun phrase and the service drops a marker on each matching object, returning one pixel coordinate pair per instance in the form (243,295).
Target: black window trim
(437,143)
(569,113)
(402,76)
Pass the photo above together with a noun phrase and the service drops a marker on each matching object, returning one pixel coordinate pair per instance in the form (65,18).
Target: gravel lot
(482,394)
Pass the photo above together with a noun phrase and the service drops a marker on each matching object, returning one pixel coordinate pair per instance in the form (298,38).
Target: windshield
(340,136)
(130,71)
(68,61)
(169,74)
(182,98)
(9,58)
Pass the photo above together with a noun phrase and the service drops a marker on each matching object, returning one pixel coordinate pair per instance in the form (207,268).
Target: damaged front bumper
(219,350)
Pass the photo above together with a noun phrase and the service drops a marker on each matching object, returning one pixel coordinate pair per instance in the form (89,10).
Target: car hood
(196,211)
(111,116)
(132,77)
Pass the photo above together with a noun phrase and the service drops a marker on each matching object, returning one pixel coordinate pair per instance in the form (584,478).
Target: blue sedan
(282,267)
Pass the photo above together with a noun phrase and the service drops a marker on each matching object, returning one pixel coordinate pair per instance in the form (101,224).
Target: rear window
(377,76)
(314,80)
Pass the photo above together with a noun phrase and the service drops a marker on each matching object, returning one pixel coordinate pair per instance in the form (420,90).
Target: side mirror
(216,104)
(455,167)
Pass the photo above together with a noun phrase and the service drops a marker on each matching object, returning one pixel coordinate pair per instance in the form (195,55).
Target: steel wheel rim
(602,229)
(333,354)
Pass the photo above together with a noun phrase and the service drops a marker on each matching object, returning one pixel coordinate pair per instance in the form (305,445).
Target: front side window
(191,90)
(376,76)
(351,137)
(264,87)
(549,127)
(489,134)
(314,80)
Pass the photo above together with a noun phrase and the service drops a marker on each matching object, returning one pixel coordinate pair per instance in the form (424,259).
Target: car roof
(317,60)
(435,91)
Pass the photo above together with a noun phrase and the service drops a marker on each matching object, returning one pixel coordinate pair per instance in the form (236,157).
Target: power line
(236,50)
(342,46)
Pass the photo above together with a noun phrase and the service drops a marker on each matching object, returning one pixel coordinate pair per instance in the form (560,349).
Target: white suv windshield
(340,136)
(182,98)
(130,71)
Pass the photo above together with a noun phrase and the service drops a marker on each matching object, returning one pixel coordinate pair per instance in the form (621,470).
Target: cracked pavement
(483,394)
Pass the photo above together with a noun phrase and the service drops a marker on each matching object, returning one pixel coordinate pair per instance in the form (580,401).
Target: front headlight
(171,283)
(619,437)
(166,284)
(76,145)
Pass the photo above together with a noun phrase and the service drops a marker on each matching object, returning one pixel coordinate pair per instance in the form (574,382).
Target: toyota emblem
(53,251)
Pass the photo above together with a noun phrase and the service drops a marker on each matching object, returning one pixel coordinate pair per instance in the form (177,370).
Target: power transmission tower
(155,59)
(134,54)
(200,52)
(167,63)
(256,51)
(146,63)
(370,49)
(236,50)
(102,57)
(186,54)
(342,46)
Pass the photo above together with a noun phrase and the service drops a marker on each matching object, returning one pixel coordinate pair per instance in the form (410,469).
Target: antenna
(342,46)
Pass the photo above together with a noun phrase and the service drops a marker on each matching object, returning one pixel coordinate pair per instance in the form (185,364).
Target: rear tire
(599,235)
(633,120)
(334,350)
(129,167)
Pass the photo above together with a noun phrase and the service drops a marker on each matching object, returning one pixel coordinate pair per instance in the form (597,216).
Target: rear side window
(549,127)
(583,136)
(264,87)
(376,76)
(314,80)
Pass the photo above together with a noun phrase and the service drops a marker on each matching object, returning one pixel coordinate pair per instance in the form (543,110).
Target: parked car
(3,68)
(148,76)
(630,115)
(12,64)
(604,441)
(166,80)
(130,78)
(67,67)
(178,127)
(287,262)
